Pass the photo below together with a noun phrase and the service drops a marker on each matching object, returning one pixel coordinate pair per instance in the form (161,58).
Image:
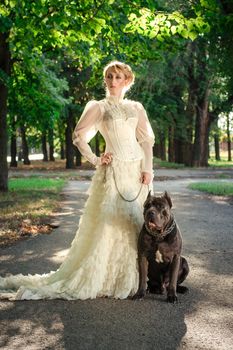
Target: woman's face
(115,81)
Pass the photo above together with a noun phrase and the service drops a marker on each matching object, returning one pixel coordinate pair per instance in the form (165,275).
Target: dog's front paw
(172,298)
(139,295)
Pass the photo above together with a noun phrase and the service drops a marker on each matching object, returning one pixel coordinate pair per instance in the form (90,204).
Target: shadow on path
(94,324)
(201,320)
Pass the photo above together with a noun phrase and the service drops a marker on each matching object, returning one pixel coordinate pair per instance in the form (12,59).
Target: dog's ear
(148,197)
(149,194)
(168,198)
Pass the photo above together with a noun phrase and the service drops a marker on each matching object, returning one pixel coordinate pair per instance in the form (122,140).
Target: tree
(5,67)
(228,139)
(88,32)
(33,28)
(209,54)
(36,99)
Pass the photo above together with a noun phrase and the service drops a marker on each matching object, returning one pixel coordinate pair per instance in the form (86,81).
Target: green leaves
(36,93)
(10,3)
(164,25)
(94,32)
(5,24)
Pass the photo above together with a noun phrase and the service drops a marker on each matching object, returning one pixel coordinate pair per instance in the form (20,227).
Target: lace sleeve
(86,129)
(145,137)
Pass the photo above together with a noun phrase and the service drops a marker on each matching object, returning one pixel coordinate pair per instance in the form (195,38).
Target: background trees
(51,58)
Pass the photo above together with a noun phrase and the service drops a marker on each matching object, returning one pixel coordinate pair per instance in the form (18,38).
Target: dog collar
(160,236)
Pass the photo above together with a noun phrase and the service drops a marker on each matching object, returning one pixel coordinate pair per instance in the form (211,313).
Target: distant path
(202,320)
(159,173)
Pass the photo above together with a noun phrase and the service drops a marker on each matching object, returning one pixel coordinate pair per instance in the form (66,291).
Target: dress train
(102,260)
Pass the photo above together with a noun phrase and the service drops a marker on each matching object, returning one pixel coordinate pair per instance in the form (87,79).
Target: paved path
(202,320)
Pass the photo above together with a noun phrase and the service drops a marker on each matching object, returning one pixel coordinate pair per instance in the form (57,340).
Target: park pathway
(202,319)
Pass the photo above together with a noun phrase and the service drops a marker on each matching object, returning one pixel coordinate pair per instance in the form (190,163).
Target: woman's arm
(86,129)
(145,137)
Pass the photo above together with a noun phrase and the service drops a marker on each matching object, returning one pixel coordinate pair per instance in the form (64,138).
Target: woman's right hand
(106,158)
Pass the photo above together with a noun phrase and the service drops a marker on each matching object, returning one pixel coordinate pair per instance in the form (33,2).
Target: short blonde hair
(118,66)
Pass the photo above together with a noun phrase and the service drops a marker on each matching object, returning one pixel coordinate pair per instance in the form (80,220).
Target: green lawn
(27,207)
(224,163)
(30,196)
(35,183)
(221,188)
(158,163)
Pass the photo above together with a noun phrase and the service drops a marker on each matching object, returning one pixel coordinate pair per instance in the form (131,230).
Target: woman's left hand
(145,178)
(106,158)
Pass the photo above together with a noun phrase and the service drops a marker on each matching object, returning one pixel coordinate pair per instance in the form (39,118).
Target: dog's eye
(164,212)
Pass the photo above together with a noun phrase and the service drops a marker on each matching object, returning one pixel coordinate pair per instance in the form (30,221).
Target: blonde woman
(102,260)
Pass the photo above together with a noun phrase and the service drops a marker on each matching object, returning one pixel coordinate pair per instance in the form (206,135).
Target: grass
(223,163)
(220,188)
(158,163)
(35,183)
(220,163)
(27,206)
(223,176)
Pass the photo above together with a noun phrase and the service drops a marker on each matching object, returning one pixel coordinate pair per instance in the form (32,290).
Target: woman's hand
(145,178)
(106,158)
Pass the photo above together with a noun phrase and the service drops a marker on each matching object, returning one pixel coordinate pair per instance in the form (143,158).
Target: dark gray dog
(159,251)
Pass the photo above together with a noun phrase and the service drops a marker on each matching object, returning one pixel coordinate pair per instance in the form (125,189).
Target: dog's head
(157,213)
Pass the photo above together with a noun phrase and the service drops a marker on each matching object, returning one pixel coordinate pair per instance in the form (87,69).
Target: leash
(121,195)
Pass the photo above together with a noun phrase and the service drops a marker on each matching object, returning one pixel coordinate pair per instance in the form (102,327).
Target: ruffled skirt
(102,260)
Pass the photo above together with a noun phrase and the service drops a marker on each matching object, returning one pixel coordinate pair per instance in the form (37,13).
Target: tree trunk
(216,146)
(190,110)
(187,153)
(202,129)
(156,150)
(61,138)
(20,156)
(162,146)
(78,157)
(13,162)
(178,147)
(26,160)
(203,116)
(179,137)
(51,145)
(44,147)
(5,62)
(228,139)
(69,144)
(171,146)
(62,150)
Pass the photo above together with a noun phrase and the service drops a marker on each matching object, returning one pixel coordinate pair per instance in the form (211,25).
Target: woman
(102,260)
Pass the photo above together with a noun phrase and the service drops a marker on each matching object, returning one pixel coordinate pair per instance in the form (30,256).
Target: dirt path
(202,320)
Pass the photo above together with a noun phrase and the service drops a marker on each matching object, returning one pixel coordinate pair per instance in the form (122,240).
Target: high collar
(114,99)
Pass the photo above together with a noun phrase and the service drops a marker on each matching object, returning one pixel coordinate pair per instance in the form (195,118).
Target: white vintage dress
(102,260)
